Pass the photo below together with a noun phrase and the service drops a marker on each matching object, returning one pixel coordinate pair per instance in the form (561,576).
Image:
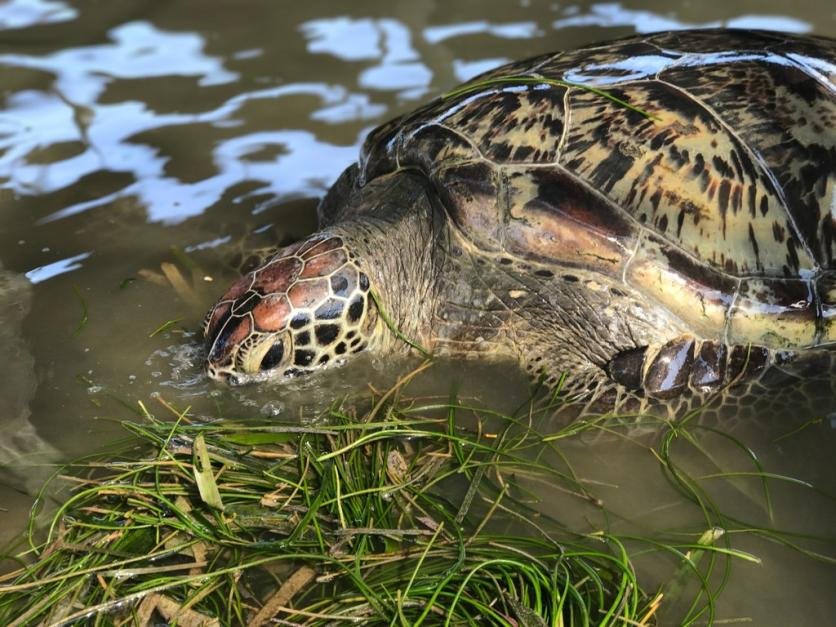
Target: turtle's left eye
(273,357)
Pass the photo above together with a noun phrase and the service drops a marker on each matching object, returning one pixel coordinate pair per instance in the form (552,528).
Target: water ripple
(517,30)
(24,13)
(107,133)
(613,14)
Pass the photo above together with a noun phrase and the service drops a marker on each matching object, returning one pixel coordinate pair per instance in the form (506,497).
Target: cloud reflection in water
(72,111)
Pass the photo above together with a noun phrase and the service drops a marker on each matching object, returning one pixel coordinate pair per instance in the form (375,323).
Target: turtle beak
(217,374)
(223,341)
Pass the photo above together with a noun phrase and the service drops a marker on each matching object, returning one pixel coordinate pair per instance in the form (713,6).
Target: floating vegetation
(395,329)
(407,512)
(165,326)
(185,278)
(534,80)
(84,313)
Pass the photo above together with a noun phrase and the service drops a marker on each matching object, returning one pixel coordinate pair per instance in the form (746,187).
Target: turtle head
(306,307)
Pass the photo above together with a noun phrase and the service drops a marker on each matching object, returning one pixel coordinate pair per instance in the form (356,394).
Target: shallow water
(128,128)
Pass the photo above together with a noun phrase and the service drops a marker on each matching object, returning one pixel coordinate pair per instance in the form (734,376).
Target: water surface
(129,128)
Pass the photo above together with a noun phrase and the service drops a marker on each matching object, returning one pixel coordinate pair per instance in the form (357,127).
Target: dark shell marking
(295,313)
(721,208)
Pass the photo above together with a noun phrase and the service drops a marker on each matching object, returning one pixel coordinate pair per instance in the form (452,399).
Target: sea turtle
(655,216)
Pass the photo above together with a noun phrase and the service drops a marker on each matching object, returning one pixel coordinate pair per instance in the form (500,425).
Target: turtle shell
(697,167)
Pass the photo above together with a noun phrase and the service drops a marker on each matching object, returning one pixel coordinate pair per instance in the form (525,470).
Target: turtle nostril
(223,346)
(217,375)
(215,321)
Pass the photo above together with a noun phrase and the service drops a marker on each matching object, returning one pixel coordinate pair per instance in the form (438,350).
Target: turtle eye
(273,357)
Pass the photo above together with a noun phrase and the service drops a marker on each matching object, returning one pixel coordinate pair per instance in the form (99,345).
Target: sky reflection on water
(72,111)
(23,13)
(77,110)
(612,14)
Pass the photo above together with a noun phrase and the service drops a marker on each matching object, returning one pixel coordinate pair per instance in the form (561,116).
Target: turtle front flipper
(666,371)
(705,373)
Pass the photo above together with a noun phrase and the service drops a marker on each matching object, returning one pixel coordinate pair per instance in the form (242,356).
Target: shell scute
(695,292)
(518,68)
(609,63)
(378,156)
(552,217)
(429,146)
(685,175)
(785,113)
(806,53)
(778,313)
(513,124)
(627,368)
(747,361)
(710,41)
(709,369)
(668,373)
(466,190)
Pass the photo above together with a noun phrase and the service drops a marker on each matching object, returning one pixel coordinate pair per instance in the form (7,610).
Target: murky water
(129,128)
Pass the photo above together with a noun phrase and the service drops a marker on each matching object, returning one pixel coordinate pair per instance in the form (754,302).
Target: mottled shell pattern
(712,192)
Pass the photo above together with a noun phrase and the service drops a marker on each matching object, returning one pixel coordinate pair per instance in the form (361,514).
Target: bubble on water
(179,366)
(272,408)
(246,401)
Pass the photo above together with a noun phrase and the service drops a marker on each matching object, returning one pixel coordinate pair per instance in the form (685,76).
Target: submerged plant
(407,512)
